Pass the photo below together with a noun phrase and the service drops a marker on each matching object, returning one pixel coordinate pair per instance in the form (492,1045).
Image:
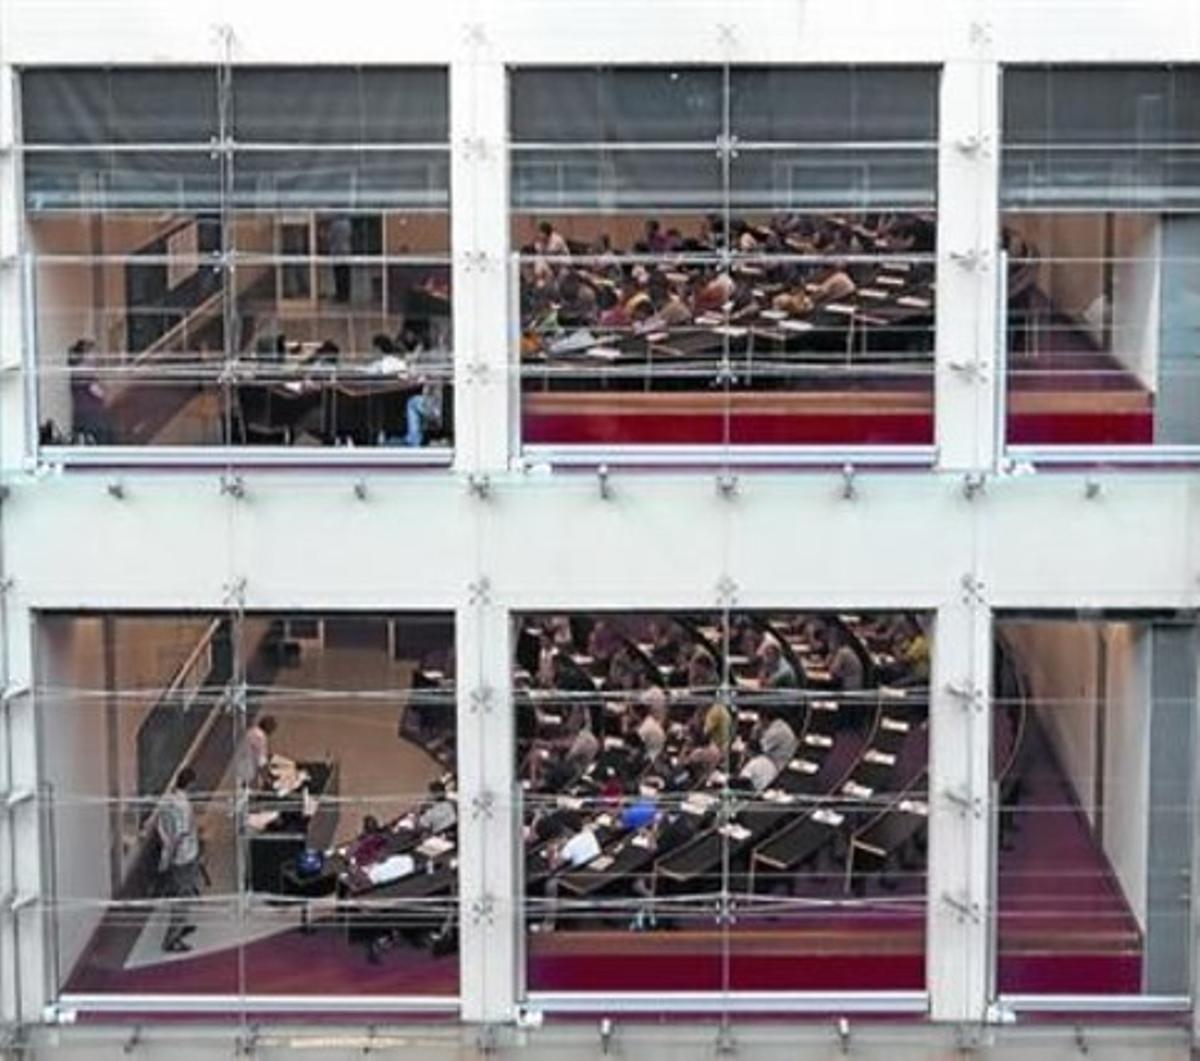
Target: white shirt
(760,771)
(652,736)
(779,743)
(581,848)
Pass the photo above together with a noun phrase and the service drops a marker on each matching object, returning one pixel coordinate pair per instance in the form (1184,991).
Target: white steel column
(488,843)
(23,916)
(12,379)
(479,229)
(959,786)
(967,361)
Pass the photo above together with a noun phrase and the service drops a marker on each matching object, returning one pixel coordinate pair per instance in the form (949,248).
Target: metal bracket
(478,371)
(604,483)
(1081,1043)
(726,1044)
(972,589)
(481,699)
(969,694)
(849,484)
(246,1044)
(972,371)
(606,1033)
(966,908)
(234,592)
(474,147)
(1092,489)
(980,33)
(973,485)
(487,1041)
(483,908)
(965,802)
(973,260)
(479,591)
(483,805)
(480,486)
(233,486)
(360,489)
(727,591)
(972,145)
(134,1040)
(116,489)
(727,486)
(478,261)
(843,1034)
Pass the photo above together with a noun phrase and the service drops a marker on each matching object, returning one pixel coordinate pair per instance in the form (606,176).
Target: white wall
(1062,661)
(78,732)
(1137,282)
(1127,759)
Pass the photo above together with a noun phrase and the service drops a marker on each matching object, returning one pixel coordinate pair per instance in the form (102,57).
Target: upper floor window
(724,256)
(239,257)
(1100,200)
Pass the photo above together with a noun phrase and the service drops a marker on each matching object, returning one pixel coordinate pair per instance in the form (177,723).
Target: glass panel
(1103,316)
(716,803)
(832,104)
(1094,722)
(334,179)
(356,878)
(121,180)
(629,105)
(839,179)
(610,180)
(1101,105)
(342,105)
(127,106)
(304,847)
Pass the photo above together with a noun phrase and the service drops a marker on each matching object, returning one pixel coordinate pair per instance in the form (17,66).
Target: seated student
(835,286)
(370,844)
(652,735)
(779,741)
(584,746)
(423,411)
(760,769)
(440,813)
(577,849)
(89,409)
(845,667)
(702,670)
(774,670)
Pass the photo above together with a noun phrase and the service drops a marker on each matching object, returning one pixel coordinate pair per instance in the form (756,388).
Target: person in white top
(779,741)
(179,857)
(760,771)
(256,749)
(577,850)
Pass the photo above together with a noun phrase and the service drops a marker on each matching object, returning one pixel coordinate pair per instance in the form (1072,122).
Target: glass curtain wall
(730,256)
(1095,722)
(239,257)
(723,801)
(1100,201)
(250,806)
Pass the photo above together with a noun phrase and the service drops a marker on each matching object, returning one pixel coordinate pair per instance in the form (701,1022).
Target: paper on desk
(642,841)
(391,868)
(261,819)
(818,740)
(914,806)
(735,832)
(874,755)
(435,845)
(803,766)
(828,817)
(857,791)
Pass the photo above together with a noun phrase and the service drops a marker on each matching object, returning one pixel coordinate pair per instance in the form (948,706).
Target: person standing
(179,858)
(340,244)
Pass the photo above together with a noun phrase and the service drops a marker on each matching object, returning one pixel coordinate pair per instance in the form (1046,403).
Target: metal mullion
(279,147)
